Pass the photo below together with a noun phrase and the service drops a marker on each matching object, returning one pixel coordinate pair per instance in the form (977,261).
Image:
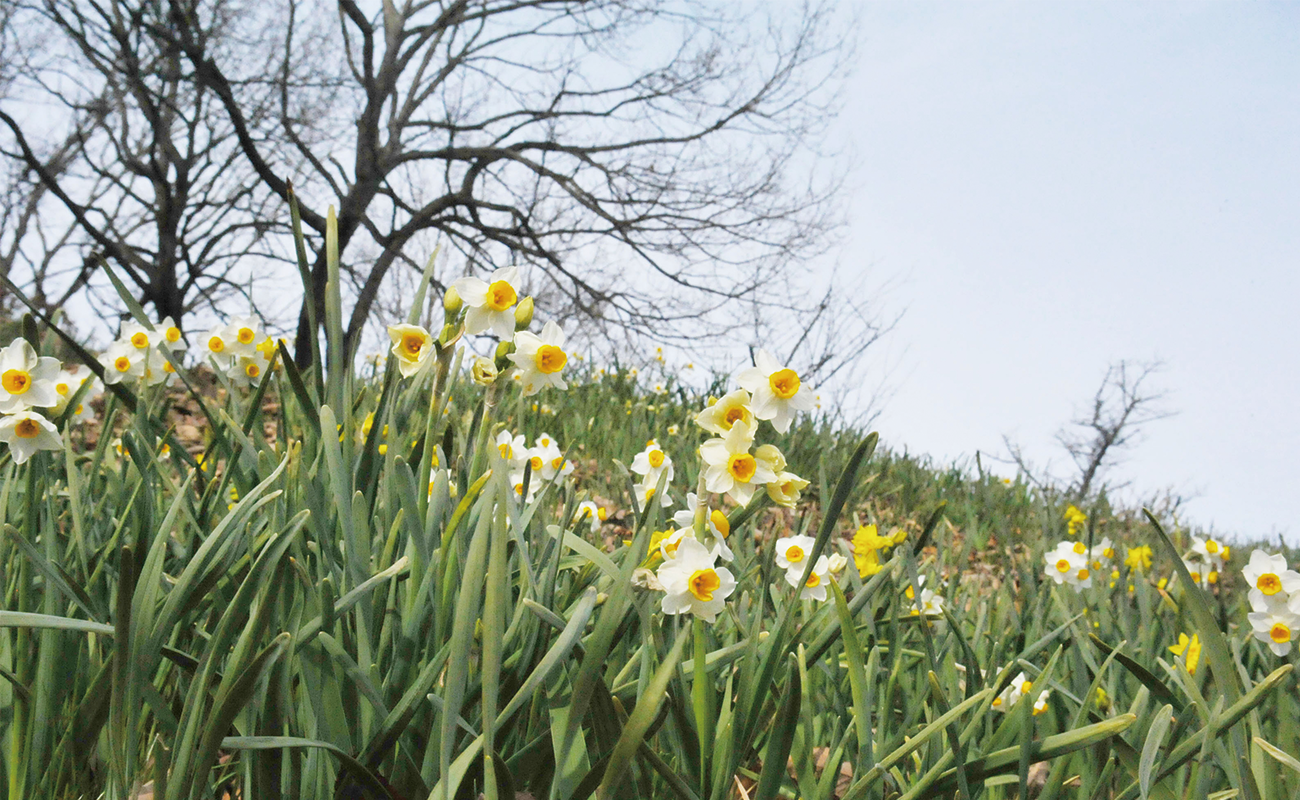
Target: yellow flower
(867,544)
(1074,519)
(1192,647)
(1138,558)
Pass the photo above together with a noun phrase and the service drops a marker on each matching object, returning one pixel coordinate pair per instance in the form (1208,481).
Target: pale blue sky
(1054,186)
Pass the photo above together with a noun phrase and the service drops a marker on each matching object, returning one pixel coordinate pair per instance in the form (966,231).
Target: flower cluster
(734,465)
(931,602)
(139,354)
(535,361)
(869,546)
(1074,520)
(1206,560)
(33,389)
(1274,600)
(545,460)
(1019,687)
(240,349)
(1190,649)
(1069,563)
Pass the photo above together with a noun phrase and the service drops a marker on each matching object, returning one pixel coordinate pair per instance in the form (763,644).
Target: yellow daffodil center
(733,415)
(122,364)
(703,583)
(500,296)
(550,359)
(1279,633)
(814,580)
(1109,552)
(909,593)
(557,462)
(784,383)
(1027,687)
(252,370)
(140,339)
(505,450)
(656,458)
(1083,574)
(1213,577)
(1269,583)
(720,522)
(412,344)
(61,388)
(1063,565)
(173,334)
(671,547)
(216,344)
(794,554)
(1211,546)
(1080,548)
(601,514)
(536,461)
(167,367)
(742,467)
(16,381)
(29,429)
(997,701)
(245,335)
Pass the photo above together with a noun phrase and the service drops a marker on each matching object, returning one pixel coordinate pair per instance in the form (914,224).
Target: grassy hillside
(357,582)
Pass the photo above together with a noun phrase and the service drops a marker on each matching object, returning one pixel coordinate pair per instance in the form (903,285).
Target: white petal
(477,320)
(764,361)
(751,378)
(472,291)
(503,324)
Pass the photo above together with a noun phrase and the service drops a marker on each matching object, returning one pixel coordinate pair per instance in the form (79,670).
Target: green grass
(340,630)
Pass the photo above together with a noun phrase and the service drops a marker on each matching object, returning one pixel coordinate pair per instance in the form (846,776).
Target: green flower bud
(484,371)
(504,349)
(524,314)
(451,302)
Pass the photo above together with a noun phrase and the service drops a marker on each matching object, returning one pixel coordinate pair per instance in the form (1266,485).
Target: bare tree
(656,164)
(115,153)
(1122,405)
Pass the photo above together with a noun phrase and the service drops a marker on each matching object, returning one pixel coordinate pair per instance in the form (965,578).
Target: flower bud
(451,302)
(837,563)
(504,349)
(484,371)
(524,314)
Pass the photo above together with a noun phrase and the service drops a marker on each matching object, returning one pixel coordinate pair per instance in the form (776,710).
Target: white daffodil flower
(26,379)
(589,510)
(1068,563)
(1276,627)
(931,604)
(244,335)
(138,336)
(692,583)
(786,489)
(1271,582)
(731,408)
(719,525)
(218,343)
(411,346)
(814,588)
(122,362)
(1040,705)
(488,303)
(513,450)
(777,391)
(26,432)
(540,359)
(548,461)
(792,553)
(170,335)
(1210,549)
(731,468)
(1102,554)
(652,462)
(245,371)
(66,384)
(1018,688)
(646,491)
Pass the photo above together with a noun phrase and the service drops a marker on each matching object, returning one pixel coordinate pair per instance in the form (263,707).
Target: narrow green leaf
(780,741)
(638,722)
(1151,747)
